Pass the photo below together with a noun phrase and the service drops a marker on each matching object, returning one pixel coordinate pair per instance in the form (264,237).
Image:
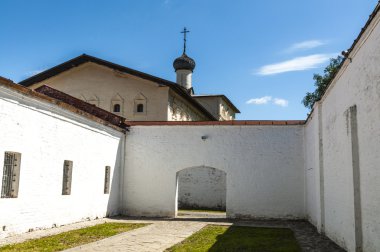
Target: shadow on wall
(201,187)
(114,204)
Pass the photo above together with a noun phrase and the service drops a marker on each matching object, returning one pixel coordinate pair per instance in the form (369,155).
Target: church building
(135,95)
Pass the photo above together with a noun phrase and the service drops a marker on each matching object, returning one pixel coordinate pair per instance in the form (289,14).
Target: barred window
(67,177)
(11,175)
(107,180)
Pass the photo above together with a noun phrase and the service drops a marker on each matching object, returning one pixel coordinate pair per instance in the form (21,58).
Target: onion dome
(184,63)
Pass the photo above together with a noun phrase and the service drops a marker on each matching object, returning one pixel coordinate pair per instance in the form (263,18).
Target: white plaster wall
(46,135)
(357,83)
(183,78)
(264,166)
(179,110)
(360,85)
(226,112)
(312,179)
(202,188)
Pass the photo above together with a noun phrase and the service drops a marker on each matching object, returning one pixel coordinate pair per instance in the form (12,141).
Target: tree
(322,82)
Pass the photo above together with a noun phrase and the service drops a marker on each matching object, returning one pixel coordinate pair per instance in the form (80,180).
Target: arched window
(140,108)
(116,108)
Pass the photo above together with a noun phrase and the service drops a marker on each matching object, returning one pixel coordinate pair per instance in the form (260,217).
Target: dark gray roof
(184,62)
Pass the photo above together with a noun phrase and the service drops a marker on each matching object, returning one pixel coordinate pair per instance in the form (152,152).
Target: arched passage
(201,188)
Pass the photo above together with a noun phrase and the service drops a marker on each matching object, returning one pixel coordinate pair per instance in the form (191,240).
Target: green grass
(235,238)
(72,238)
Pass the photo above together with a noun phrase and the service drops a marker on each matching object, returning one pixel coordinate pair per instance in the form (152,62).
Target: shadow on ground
(241,238)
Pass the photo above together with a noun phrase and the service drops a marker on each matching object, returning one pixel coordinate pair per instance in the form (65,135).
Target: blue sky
(261,54)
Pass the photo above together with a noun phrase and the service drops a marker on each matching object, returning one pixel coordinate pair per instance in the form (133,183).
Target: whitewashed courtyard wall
(202,188)
(346,203)
(312,170)
(46,135)
(264,167)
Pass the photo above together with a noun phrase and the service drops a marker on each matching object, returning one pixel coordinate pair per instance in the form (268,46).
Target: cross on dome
(184,62)
(184,38)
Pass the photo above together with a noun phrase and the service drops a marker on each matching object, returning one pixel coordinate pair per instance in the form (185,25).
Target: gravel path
(155,237)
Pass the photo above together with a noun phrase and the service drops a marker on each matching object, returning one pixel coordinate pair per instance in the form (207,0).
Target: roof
(84,58)
(225,99)
(93,114)
(82,105)
(219,123)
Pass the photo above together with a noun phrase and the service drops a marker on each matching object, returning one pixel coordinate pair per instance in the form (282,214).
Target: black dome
(184,62)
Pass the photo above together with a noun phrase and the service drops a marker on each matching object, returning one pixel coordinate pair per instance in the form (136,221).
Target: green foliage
(322,82)
(72,238)
(214,238)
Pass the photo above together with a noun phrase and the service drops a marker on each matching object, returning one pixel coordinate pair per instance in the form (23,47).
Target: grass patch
(72,238)
(235,238)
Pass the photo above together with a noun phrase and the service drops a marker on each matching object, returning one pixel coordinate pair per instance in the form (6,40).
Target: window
(117,104)
(116,108)
(107,180)
(67,177)
(140,105)
(140,108)
(11,175)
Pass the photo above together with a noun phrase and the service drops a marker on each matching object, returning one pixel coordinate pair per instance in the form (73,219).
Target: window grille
(67,177)
(107,180)
(11,175)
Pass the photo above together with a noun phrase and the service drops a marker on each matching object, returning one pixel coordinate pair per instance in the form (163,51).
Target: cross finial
(184,38)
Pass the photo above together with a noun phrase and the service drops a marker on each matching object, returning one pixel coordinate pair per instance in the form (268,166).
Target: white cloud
(280,102)
(296,64)
(266,99)
(260,101)
(305,45)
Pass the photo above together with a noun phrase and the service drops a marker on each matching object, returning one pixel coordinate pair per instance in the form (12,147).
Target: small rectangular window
(107,180)
(11,175)
(67,177)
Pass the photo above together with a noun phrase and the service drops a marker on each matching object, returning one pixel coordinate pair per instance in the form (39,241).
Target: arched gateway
(201,188)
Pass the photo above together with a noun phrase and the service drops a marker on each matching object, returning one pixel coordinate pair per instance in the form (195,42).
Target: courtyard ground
(165,233)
